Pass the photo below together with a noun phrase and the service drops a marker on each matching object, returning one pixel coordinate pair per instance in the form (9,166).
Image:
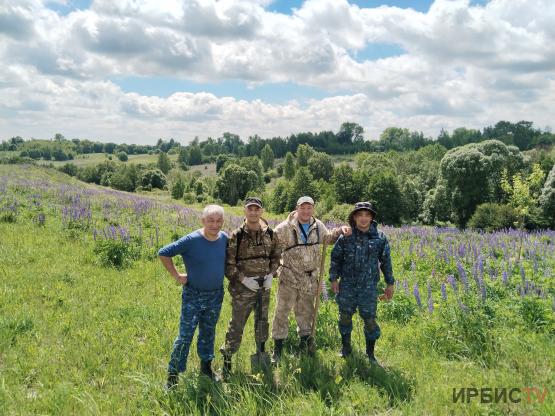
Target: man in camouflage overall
(203,253)
(252,252)
(355,261)
(301,236)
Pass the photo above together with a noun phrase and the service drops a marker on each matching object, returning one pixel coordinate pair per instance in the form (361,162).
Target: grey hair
(212,209)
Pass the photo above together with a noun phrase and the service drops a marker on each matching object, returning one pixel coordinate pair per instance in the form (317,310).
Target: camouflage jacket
(300,262)
(360,257)
(258,253)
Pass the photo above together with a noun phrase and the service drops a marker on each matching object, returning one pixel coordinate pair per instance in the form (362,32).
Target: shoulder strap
(239,239)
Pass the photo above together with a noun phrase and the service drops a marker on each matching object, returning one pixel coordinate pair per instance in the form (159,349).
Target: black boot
(306,345)
(173,379)
(206,369)
(226,370)
(278,349)
(346,348)
(370,344)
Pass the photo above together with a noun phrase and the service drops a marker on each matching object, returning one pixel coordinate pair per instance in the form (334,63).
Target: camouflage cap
(253,201)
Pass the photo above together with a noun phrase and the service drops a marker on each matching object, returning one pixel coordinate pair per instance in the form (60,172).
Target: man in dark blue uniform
(356,261)
(203,253)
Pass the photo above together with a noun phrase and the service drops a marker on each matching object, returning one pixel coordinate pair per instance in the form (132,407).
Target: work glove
(267,282)
(250,283)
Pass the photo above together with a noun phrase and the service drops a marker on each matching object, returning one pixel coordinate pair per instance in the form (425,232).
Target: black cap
(359,206)
(253,201)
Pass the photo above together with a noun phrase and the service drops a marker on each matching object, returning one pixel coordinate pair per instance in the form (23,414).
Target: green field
(92,159)
(78,336)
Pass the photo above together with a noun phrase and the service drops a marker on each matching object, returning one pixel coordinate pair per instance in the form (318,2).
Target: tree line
(464,178)
(348,139)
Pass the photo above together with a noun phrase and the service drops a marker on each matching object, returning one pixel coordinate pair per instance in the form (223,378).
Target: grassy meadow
(88,316)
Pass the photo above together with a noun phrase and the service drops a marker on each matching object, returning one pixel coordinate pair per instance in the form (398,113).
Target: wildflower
(430,301)
(443,291)
(324,289)
(452,282)
(416,293)
(462,275)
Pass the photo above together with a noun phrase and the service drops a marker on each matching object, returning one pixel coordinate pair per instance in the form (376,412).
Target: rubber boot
(370,344)
(173,379)
(278,349)
(346,348)
(206,369)
(306,345)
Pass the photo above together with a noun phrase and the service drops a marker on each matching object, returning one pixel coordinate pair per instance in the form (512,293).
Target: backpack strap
(240,235)
(296,238)
(239,239)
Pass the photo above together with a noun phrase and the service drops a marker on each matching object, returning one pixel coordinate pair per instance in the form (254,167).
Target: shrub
(122,156)
(536,314)
(153,178)
(69,169)
(118,253)
(399,309)
(491,217)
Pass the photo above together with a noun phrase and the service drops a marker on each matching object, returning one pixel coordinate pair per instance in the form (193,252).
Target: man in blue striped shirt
(203,253)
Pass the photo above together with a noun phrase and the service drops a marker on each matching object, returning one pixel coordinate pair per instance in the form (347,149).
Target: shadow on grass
(198,394)
(318,375)
(391,381)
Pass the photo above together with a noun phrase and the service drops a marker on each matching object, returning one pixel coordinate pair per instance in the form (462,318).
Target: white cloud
(464,65)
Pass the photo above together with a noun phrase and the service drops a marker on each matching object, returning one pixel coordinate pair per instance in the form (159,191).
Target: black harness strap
(240,234)
(296,238)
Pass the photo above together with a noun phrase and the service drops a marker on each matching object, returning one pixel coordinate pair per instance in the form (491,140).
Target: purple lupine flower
(492,273)
(430,300)
(505,277)
(462,275)
(443,291)
(452,282)
(325,295)
(406,286)
(522,273)
(462,306)
(483,290)
(416,293)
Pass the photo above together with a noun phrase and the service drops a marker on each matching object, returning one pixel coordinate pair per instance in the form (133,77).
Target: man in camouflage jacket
(301,236)
(356,260)
(253,252)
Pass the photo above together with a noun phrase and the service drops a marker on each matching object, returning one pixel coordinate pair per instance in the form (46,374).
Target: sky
(138,70)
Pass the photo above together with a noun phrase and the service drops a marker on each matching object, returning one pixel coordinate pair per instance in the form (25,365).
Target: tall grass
(79,335)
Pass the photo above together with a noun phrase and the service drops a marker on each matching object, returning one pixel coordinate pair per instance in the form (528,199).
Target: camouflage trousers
(243,302)
(198,308)
(303,305)
(364,297)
